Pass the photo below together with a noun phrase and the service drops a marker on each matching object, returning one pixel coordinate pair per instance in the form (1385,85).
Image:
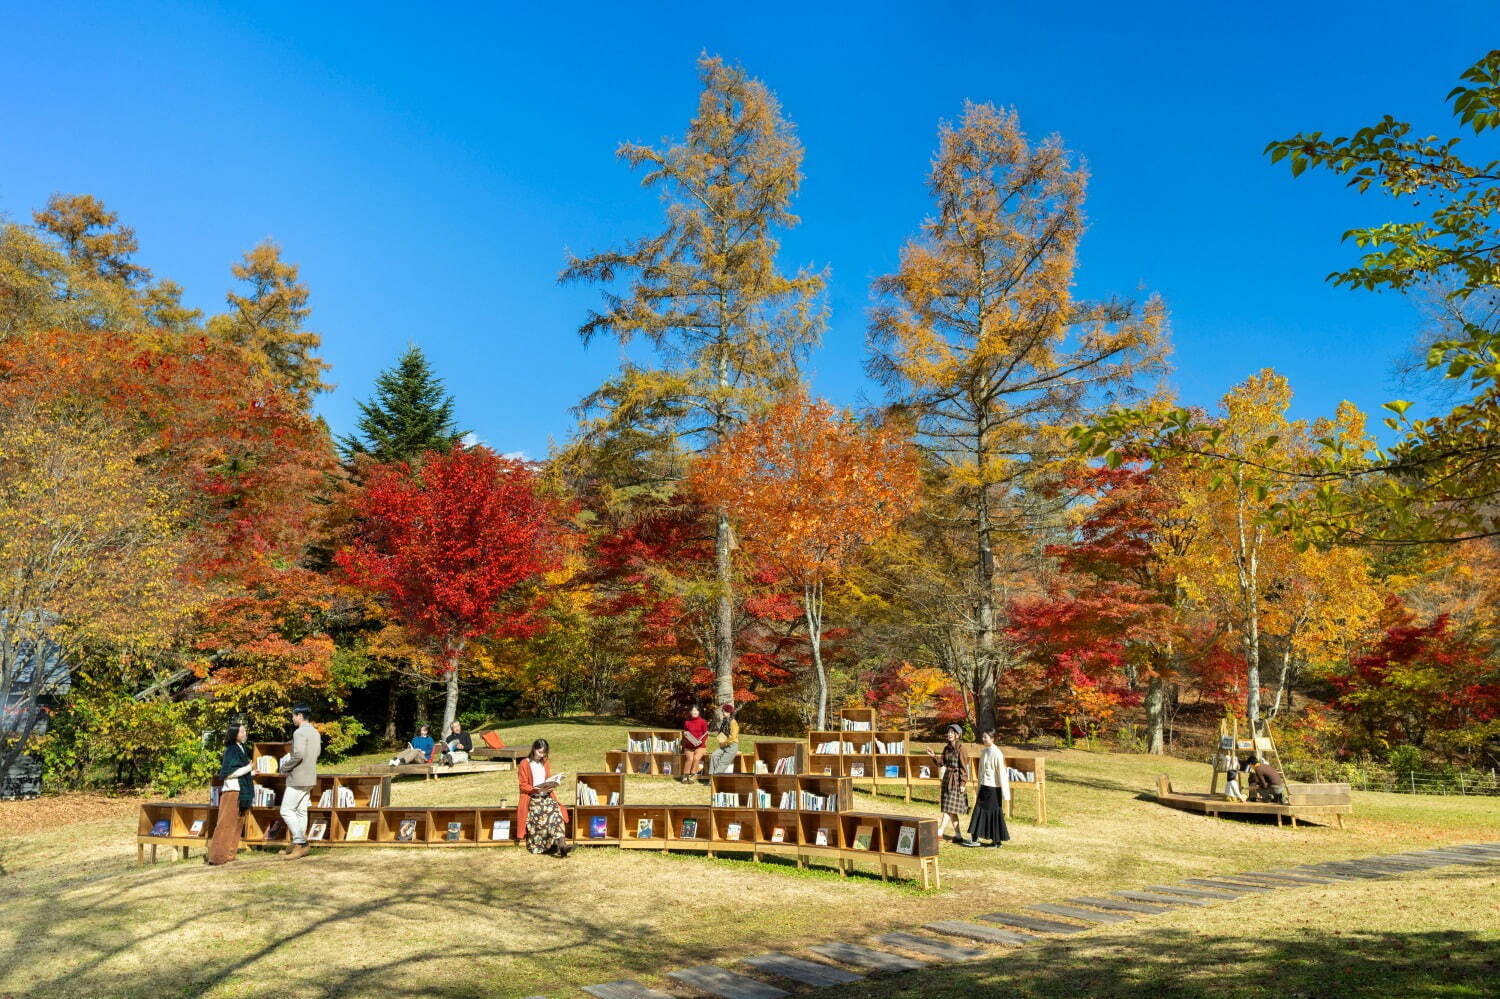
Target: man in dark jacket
(1267,783)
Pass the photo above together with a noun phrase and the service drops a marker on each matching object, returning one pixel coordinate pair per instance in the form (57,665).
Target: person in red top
(694,744)
(540,817)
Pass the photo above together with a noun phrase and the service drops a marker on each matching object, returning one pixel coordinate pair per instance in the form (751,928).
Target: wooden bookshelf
(453,827)
(656,737)
(603,785)
(776,785)
(703,816)
(583,824)
(769,752)
(865,718)
(630,827)
(724,821)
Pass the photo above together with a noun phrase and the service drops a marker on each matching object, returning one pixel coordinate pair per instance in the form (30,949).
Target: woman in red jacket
(539,813)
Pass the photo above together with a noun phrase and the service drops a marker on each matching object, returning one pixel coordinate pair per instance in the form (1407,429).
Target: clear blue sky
(428,165)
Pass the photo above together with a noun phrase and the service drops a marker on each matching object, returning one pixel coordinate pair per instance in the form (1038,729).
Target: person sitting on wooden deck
(1266,784)
(457,745)
(418,750)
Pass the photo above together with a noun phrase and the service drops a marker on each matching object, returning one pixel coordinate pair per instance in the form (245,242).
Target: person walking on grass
(235,797)
(301,776)
(988,820)
(954,774)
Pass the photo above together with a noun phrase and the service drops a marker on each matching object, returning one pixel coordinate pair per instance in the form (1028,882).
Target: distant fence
(1413,782)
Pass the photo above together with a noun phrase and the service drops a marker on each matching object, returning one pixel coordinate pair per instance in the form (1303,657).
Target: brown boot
(298,852)
(286,851)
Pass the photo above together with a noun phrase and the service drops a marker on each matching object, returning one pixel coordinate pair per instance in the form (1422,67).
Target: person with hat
(954,774)
(722,762)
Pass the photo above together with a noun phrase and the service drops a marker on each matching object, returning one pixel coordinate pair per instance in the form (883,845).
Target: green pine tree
(410,414)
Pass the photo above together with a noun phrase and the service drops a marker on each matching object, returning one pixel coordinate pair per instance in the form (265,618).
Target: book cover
(407,831)
(196,829)
(689,828)
(614,797)
(666,768)
(926,773)
(858,770)
(598,827)
(455,832)
(161,827)
(822,837)
(276,829)
(318,830)
(500,831)
(906,842)
(644,828)
(778,835)
(358,829)
(828,771)
(732,831)
(863,837)
(893,770)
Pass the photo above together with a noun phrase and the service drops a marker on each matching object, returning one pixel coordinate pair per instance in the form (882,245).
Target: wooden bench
(432,771)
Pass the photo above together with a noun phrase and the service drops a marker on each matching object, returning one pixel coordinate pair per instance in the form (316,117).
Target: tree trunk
(724,616)
(984,693)
(419,694)
(812,603)
(1156,696)
(450,702)
(1284,681)
(392,701)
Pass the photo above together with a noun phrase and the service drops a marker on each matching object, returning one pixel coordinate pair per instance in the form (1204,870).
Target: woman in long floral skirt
(235,795)
(988,820)
(539,812)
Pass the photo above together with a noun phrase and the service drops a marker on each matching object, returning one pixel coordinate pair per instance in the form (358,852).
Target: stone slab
(801,971)
(1227,885)
(1284,880)
(623,989)
(1120,904)
(867,957)
(1218,894)
(726,984)
(976,931)
(1031,923)
(1075,912)
(942,950)
(1161,898)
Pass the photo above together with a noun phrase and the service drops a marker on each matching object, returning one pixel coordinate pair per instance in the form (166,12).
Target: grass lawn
(77,918)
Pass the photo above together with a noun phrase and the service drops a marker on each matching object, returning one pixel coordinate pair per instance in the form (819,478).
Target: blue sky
(429,165)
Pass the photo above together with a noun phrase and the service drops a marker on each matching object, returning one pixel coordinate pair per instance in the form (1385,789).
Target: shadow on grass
(1160,963)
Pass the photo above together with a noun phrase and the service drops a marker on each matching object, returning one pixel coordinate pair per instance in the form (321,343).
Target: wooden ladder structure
(1259,742)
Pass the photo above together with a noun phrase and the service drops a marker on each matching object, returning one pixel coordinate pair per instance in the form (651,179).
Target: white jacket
(993,772)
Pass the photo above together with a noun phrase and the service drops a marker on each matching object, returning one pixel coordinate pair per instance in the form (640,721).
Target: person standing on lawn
(988,820)
(301,775)
(954,774)
(235,797)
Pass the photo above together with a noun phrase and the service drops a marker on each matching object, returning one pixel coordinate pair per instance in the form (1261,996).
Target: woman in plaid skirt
(955,778)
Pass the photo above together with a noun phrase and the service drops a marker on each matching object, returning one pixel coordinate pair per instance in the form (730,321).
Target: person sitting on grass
(418,750)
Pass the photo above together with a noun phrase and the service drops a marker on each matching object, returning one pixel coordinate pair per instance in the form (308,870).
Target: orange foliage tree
(808,487)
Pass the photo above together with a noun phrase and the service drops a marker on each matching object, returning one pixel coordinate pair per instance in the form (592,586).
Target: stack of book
(850,725)
(891,748)
(726,799)
(818,802)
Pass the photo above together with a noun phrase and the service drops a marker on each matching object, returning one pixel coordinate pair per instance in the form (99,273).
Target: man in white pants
(301,775)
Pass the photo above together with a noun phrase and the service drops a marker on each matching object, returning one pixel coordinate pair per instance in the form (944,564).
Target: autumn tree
(453,546)
(92,238)
(409,416)
(727,327)
(270,321)
(809,488)
(980,342)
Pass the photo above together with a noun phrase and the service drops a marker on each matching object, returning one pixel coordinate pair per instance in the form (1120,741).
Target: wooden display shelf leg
(140,855)
(1294,821)
(1340,819)
(153,854)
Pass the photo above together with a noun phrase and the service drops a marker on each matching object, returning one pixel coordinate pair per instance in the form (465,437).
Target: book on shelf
(788,801)
(359,829)
(786,765)
(318,830)
(732,831)
(614,797)
(407,831)
(762,798)
(828,771)
(325,800)
(644,767)
(587,795)
(761,768)
(726,799)
(863,837)
(161,827)
(374,796)
(265,765)
(455,832)
(645,828)
(213,797)
(598,826)
(926,773)
(817,802)
(893,770)
(689,829)
(906,841)
(276,829)
(666,767)
(619,768)
(822,837)
(500,831)
(857,770)
(196,829)
(850,725)
(778,835)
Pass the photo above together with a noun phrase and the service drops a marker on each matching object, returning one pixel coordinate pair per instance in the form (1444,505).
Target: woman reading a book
(694,744)
(539,812)
(955,778)
(722,762)
(988,820)
(234,796)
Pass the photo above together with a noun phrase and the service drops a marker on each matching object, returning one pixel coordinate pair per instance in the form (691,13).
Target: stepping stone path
(726,984)
(984,934)
(1085,915)
(1120,905)
(1030,923)
(1093,910)
(803,972)
(867,957)
(624,990)
(942,950)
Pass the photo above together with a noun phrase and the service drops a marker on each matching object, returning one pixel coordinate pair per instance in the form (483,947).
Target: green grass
(76,918)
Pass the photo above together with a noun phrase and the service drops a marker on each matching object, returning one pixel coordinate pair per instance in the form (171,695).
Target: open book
(551,782)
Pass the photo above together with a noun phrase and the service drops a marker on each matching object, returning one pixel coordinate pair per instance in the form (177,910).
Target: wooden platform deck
(433,771)
(1307,802)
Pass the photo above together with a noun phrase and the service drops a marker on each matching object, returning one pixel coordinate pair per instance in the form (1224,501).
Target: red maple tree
(453,547)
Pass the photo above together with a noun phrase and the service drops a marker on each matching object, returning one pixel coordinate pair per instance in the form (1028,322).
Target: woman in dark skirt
(955,778)
(234,797)
(988,820)
(541,818)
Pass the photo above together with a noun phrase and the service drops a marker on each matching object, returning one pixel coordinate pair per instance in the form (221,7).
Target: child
(1232,779)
